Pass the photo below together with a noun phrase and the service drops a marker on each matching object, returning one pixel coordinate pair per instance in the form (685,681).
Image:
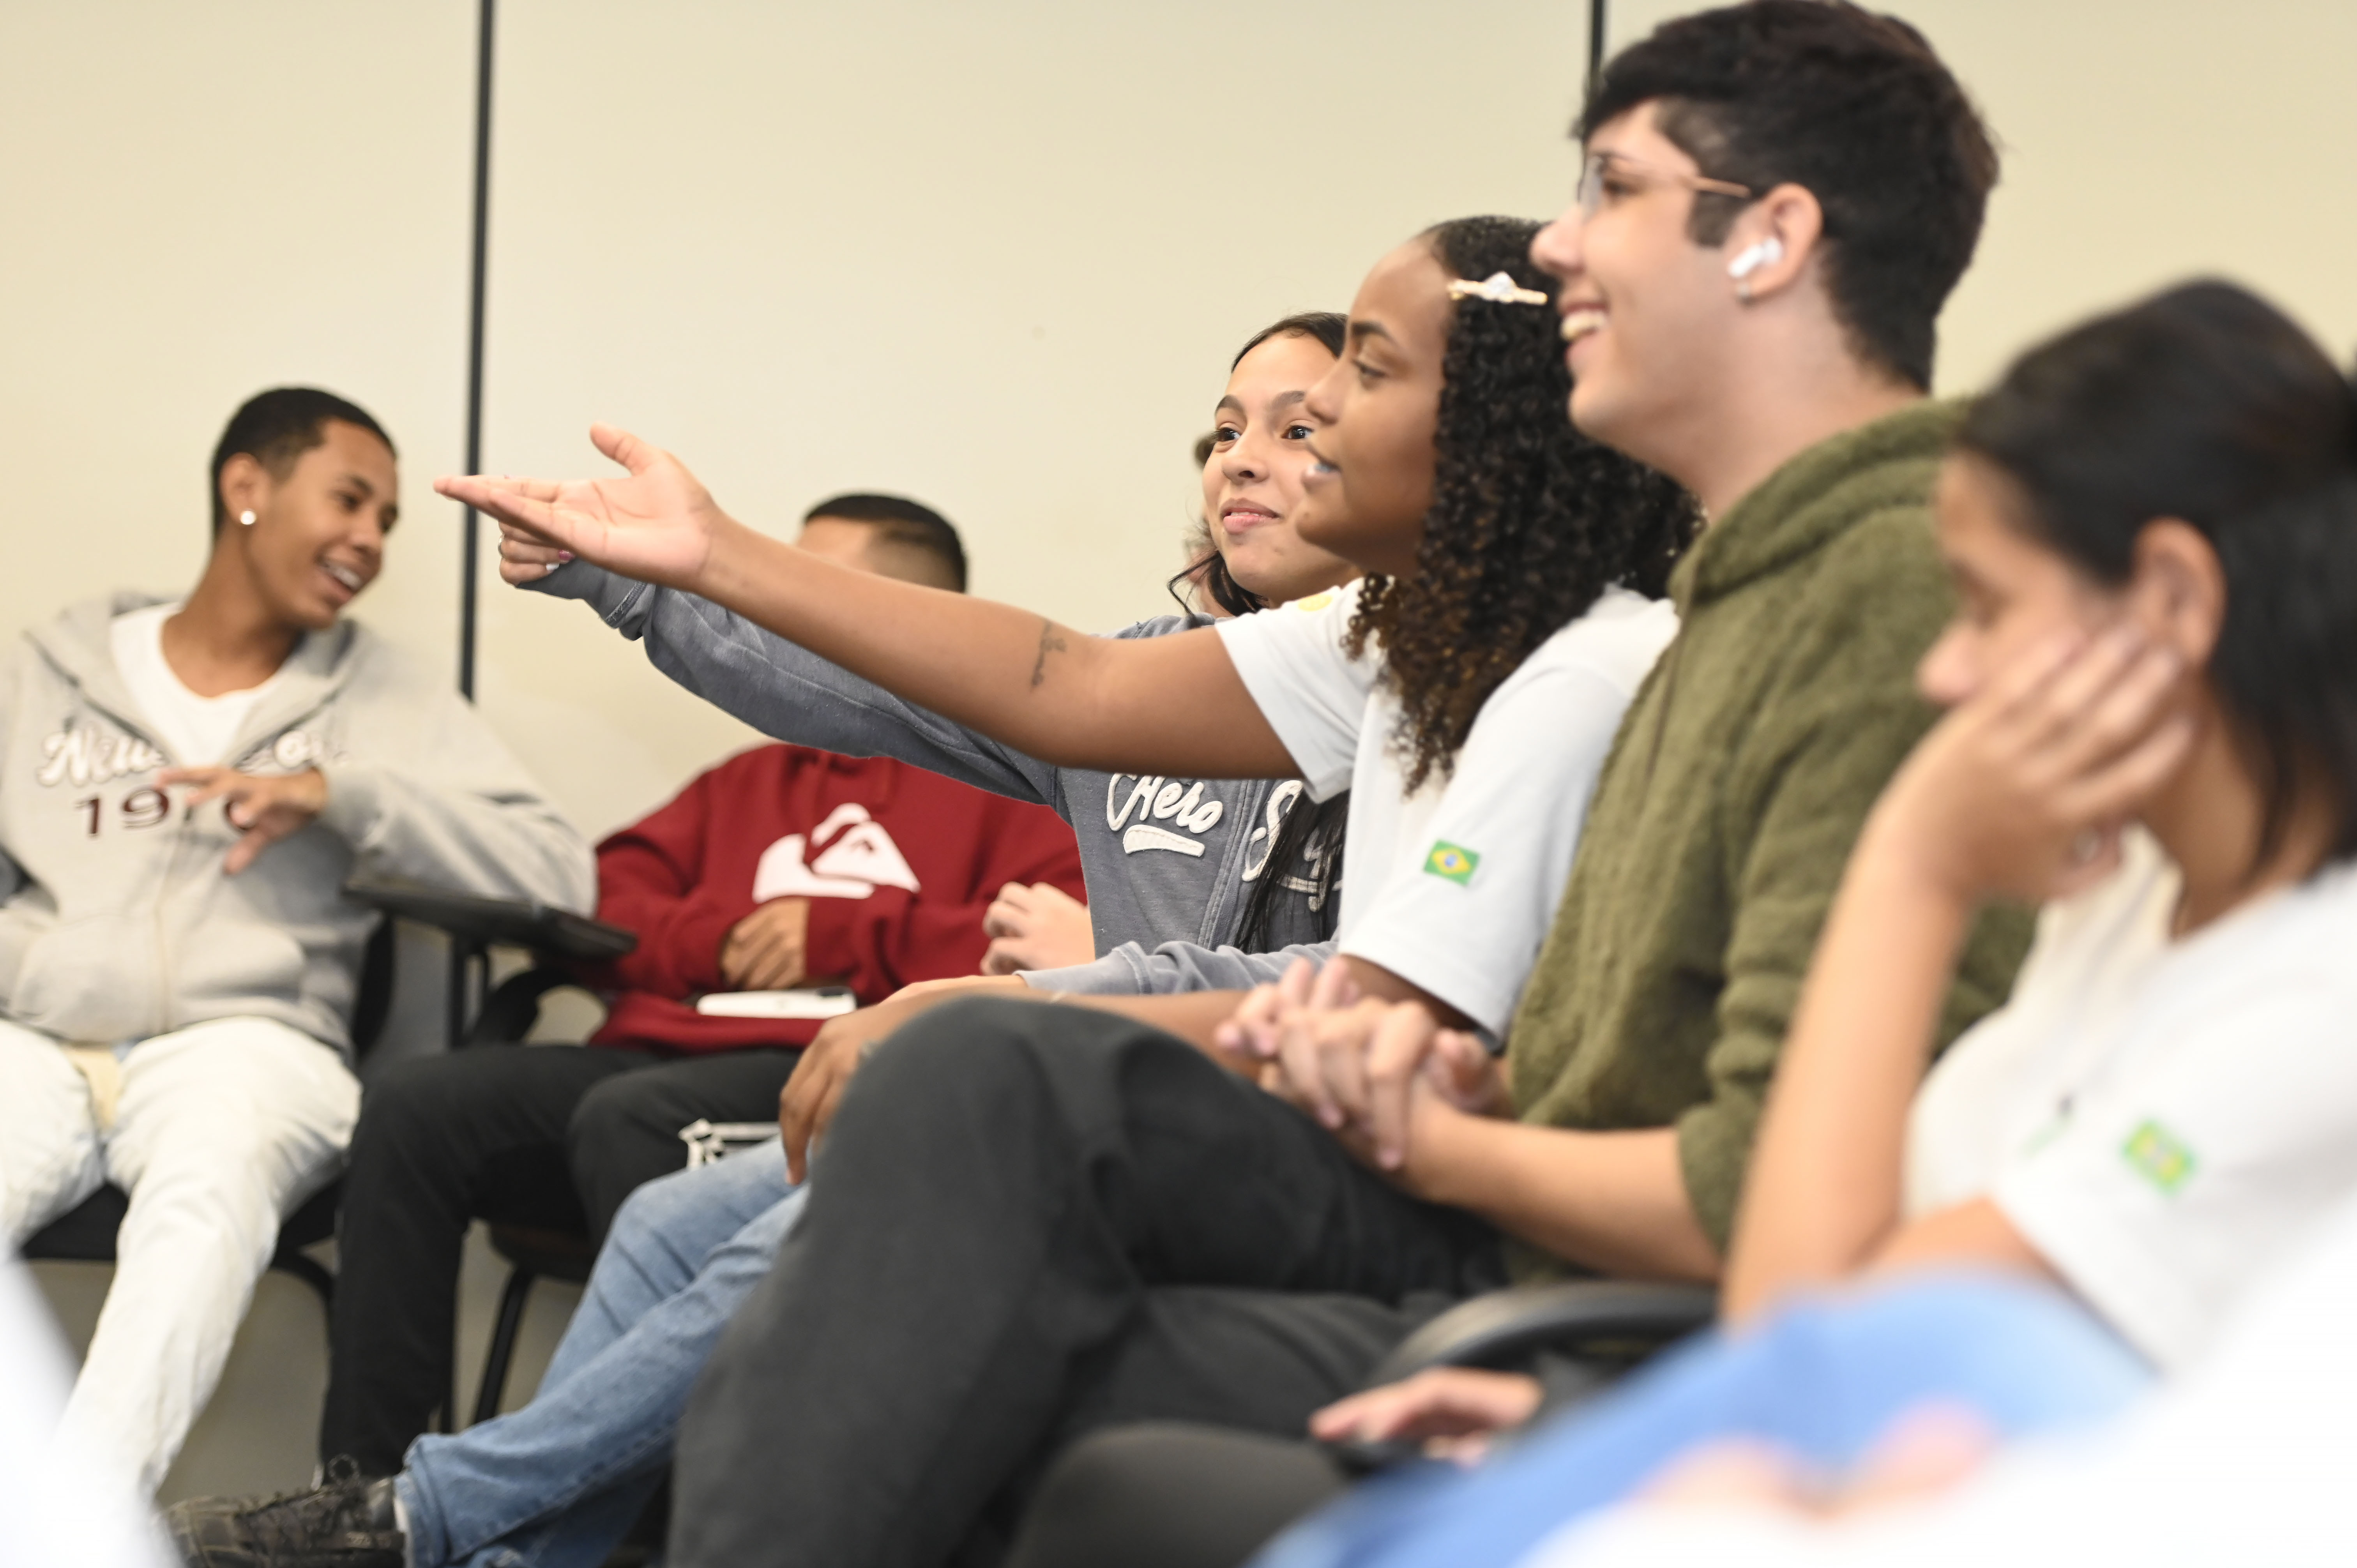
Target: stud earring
(246,518)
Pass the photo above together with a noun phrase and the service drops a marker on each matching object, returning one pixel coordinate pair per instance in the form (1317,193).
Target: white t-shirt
(1454,887)
(198,731)
(2162,1120)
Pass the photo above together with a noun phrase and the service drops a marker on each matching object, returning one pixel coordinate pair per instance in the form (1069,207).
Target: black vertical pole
(1596,24)
(467,957)
(475,340)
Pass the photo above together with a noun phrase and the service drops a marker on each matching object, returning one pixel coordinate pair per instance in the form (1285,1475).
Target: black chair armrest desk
(1504,1328)
(476,924)
(1584,1334)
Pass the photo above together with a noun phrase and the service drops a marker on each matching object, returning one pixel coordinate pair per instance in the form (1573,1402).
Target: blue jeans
(555,1484)
(1822,1378)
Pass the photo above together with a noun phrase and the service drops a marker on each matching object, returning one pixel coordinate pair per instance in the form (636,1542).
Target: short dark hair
(1855,107)
(1330,327)
(2208,405)
(276,427)
(899,520)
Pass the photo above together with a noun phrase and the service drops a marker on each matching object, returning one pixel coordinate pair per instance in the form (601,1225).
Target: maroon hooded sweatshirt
(897,863)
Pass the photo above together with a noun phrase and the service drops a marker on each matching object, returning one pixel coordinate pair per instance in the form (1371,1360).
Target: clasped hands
(1380,1075)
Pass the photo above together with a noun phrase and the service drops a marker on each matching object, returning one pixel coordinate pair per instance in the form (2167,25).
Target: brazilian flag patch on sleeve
(1451,863)
(2159,1157)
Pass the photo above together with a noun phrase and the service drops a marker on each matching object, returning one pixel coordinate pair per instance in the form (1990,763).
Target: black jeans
(625,1132)
(1026,1224)
(550,1136)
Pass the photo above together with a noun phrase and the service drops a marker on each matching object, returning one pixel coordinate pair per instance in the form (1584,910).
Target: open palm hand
(656,523)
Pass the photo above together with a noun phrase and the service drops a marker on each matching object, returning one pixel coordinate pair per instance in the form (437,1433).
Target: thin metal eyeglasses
(1591,195)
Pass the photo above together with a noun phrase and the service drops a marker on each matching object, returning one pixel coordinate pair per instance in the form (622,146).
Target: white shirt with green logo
(1453,887)
(2163,1119)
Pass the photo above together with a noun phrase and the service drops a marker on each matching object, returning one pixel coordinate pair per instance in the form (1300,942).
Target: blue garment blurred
(1823,1378)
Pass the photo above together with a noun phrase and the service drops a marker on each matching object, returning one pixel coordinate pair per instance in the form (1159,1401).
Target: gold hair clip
(1498,288)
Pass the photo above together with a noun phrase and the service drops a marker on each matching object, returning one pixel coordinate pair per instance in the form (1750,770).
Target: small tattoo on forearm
(1050,642)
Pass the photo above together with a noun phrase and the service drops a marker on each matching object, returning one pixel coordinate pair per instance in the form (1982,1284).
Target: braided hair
(1530,523)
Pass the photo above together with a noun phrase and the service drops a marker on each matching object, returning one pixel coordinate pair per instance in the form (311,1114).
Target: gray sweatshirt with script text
(1169,862)
(116,919)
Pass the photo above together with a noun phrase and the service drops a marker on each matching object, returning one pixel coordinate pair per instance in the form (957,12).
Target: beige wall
(2145,141)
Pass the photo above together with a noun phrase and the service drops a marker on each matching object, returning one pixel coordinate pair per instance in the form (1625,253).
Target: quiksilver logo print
(854,865)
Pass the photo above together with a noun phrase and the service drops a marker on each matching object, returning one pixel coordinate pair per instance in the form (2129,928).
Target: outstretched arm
(1168,705)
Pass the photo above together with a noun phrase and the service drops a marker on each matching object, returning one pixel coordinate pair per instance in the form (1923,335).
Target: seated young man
(185,786)
(781,868)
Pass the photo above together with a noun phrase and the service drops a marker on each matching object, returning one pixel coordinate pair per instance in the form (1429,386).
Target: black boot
(346,1522)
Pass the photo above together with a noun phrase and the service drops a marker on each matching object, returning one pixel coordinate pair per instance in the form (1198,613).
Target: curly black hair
(1530,520)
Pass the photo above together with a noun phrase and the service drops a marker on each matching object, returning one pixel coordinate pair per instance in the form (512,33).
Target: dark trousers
(1028,1223)
(625,1131)
(550,1136)
(1170,1495)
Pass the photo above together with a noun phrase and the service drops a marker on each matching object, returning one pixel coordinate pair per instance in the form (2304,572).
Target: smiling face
(2013,591)
(1375,411)
(1646,311)
(1252,481)
(318,536)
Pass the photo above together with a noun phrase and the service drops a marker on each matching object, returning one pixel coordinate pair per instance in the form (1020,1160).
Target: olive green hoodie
(1720,825)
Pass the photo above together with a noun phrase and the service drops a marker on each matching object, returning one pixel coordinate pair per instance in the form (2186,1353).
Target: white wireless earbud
(1751,258)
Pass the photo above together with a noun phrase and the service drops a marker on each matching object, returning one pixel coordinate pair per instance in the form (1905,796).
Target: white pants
(221,1130)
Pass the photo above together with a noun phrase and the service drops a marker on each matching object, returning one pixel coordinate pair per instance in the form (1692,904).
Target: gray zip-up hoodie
(1169,862)
(117,921)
